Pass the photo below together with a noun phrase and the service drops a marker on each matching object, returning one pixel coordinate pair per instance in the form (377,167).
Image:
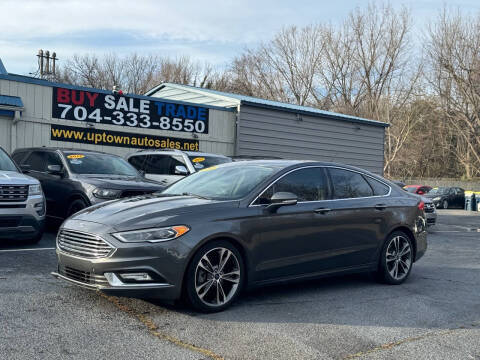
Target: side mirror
(55,170)
(181,170)
(280,199)
(25,168)
(420,192)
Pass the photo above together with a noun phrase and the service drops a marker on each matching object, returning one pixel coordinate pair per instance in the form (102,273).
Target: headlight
(34,190)
(106,193)
(152,235)
(438,198)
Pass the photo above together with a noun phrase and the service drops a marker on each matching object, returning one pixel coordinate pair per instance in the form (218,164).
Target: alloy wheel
(217,277)
(398,257)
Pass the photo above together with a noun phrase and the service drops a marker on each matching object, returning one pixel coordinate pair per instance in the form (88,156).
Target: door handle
(322,210)
(380,206)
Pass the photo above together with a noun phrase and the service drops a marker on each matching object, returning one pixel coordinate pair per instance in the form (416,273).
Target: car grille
(130,193)
(429,208)
(82,276)
(83,244)
(13,192)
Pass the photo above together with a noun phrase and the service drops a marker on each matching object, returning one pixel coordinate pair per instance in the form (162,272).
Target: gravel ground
(434,315)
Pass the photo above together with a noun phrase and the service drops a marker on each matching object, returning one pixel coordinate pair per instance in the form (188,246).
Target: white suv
(22,204)
(169,166)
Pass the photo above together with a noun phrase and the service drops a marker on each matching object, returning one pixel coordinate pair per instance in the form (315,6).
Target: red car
(417,189)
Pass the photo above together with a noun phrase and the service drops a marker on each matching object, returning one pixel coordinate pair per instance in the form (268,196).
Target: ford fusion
(241,225)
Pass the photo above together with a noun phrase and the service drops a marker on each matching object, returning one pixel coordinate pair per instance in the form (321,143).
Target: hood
(16,178)
(120,182)
(147,211)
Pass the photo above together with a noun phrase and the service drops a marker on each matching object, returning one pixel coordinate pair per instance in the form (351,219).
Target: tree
(134,73)
(453,46)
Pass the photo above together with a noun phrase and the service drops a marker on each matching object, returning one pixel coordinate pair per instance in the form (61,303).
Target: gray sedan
(242,225)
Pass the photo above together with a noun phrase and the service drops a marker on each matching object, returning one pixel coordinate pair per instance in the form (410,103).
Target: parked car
(169,166)
(418,189)
(430,211)
(429,208)
(22,204)
(241,225)
(447,197)
(75,179)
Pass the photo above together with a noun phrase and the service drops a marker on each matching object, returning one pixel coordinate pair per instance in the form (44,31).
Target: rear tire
(76,206)
(215,277)
(396,260)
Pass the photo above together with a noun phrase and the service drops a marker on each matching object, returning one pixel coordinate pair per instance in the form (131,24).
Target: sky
(214,31)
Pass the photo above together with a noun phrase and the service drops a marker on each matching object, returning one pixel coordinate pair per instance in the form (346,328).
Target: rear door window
(379,188)
(18,157)
(157,164)
(348,184)
(37,161)
(137,161)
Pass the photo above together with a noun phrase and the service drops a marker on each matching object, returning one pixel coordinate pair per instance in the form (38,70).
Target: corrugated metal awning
(13,101)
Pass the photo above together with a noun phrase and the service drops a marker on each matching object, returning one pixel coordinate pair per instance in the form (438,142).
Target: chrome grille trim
(11,193)
(429,207)
(83,276)
(83,245)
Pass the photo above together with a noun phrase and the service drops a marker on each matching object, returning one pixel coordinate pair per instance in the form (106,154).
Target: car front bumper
(431,218)
(21,221)
(165,262)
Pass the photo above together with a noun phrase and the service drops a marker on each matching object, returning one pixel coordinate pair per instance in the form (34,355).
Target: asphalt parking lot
(434,315)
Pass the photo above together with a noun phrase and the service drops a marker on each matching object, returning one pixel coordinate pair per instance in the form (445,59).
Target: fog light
(40,208)
(140,276)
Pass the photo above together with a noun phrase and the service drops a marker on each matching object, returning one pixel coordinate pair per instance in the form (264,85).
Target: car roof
(174,151)
(283,163)
(198,153)
(43,148)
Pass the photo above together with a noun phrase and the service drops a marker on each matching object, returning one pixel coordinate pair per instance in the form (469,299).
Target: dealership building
(37,112)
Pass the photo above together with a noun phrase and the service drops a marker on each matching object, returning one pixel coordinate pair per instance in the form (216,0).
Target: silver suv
(22,204)
(169,166)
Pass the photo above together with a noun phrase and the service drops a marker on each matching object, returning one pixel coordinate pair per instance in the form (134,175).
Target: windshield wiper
(195,195)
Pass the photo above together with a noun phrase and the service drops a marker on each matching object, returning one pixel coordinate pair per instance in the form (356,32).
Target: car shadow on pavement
(425,300)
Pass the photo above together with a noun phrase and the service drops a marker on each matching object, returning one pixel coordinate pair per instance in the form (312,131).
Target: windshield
(222,183)
(99,164)
(438,191)
(6,164)
(201,162)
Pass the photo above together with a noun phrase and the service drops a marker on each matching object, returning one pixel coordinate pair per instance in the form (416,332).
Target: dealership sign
(121,139)
(121,110)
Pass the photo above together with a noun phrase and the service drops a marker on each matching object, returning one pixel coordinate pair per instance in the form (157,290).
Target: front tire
(397,259)
(214,277)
